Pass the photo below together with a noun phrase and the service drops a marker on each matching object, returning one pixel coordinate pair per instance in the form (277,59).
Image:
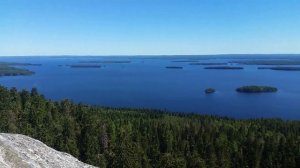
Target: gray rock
(19,151)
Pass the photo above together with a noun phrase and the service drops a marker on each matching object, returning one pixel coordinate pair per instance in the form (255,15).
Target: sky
(149,27)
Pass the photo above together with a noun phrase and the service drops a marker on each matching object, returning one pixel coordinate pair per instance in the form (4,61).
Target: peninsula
(6,70)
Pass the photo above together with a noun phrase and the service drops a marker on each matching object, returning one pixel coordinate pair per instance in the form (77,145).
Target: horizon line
(136,55)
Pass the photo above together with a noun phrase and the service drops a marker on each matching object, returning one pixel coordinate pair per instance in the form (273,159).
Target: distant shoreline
(147,55)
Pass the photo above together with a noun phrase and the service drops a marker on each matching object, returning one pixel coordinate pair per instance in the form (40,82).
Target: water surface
(145,82)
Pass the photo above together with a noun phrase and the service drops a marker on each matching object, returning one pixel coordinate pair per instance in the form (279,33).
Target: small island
(174,67)
(281,68)
(208,63)
(13,71)
(18,64)
(256,89)
(186,61)
(224,68)
(108,62)
(210,90)
(85,66)
(268,62)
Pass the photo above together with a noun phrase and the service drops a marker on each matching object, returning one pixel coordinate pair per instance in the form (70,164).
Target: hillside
(113,137)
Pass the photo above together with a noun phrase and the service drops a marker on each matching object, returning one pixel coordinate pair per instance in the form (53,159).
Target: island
(281,68)
(186,61)
(18,64)
(256,89)
(6,70)
(224,68)
(85,66)
(210,90)
(268,62)
(208,63)
(174,67)
(107,62)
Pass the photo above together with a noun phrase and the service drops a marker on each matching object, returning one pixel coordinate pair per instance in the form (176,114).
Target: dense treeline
(109,137)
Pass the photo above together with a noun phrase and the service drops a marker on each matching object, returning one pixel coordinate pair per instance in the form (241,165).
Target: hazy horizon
(151,55)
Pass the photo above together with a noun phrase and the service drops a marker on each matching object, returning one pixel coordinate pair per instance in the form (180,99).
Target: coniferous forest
(130,138)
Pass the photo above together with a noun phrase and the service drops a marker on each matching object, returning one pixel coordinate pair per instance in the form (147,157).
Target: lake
(145,82)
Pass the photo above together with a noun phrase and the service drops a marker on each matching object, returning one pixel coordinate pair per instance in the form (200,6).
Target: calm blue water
(146,83)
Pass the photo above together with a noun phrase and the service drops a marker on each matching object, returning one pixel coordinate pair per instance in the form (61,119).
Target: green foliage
(112,137)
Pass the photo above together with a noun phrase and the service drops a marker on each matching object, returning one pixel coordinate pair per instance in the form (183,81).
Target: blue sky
(148,27)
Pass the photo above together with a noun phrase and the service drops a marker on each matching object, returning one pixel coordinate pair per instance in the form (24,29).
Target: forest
(133,138)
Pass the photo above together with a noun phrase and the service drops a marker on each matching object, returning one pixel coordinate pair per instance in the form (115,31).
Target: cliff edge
(22,151)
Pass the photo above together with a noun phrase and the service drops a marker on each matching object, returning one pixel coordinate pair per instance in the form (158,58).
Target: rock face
(19,151)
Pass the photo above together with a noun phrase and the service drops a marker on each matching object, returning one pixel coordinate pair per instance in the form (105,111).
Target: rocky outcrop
(22,151)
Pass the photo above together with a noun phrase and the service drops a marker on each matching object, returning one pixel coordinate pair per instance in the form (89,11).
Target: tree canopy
(113,137)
